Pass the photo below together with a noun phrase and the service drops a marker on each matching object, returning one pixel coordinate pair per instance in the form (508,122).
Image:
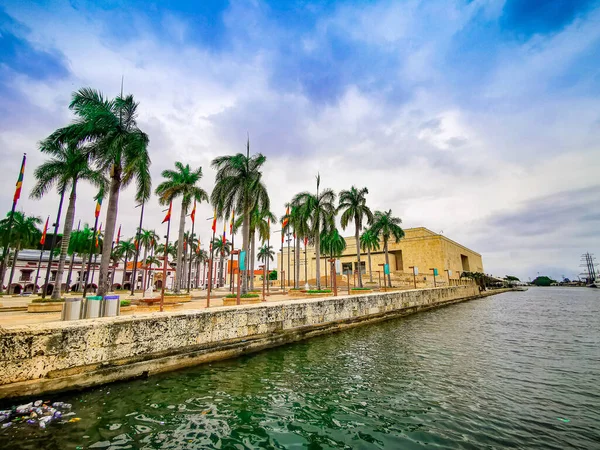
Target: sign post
(415,270)
(435,273)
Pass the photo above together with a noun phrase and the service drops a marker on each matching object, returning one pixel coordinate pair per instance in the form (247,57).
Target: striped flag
(98,235)
(198,247)
(43,239)
(214,224)
(231,223)
(286,219)
(98,206)
(193,214)
(224,233)
(168,216)
(118,235)
(20,181)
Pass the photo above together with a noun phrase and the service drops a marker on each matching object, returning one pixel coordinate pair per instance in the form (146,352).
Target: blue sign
(386,269)
(435,272)
(242,260)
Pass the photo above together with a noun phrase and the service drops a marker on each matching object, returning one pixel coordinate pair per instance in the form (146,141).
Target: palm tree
(69,164)
(353,203)
(224,248)
(332,245)
(126,249)
(266,254)
(181,183)
(147,239)
(80,243)
(387,226)
(369,242)
(239,187)
(149,262)
(118,147)
(24,233)
(201,257)
(320,210)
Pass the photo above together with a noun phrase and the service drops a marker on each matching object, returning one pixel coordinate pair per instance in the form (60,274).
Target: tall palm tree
(298,221)
(332,245)
(201,258)
(117,146)
(25,232)
(386,226)
(223,248)
(147,239)
(126,249)
(320,210)
(148,263)
(369,242)
(181,182)
(239,187)
(265,254)
(80,243)
(353,204)
(69,163)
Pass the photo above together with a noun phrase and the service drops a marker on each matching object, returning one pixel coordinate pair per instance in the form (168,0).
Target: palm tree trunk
(14,264)
(221,281)
(245,241)
(70,272)
(81,272)
(357,237)
(183,269)
(387,261)
(109,231)
(370,270)
(252,250)
(179,267)
(297,263)
(64,245)
(145,268)
(318,259)
(124,271)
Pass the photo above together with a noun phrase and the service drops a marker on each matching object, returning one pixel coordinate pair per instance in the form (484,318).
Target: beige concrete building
(420,248)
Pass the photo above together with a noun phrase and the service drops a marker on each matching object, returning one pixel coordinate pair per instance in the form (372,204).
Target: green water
(490,373)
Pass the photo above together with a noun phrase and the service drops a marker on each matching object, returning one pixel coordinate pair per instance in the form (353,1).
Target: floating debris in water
(40,413)
(562,419)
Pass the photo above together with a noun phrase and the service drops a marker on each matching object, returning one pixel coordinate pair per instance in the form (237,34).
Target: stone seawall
(69,355)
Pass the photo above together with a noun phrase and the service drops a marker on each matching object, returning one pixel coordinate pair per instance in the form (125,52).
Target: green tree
(353,204)
(118,147)
(126,250)
(265,255)
(181,182)
(80,243)
(320,210)
(239,187)
(223,248)
(369,242)
(543,281)
(299,221)
(386,226)
(148,240)
(24,233)
(69,163)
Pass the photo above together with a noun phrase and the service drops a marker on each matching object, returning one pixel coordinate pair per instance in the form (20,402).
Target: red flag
(168,216)
(282,237)
(136,245)
(305,242)
(286,219)
(20,181)
(193,214)
(43,239)
(198,247)
(98,206)
(118,235)
(214,224)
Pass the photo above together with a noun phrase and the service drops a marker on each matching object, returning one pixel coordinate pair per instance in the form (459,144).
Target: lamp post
(137,251)
(333,277)
(415,271)
(434,274)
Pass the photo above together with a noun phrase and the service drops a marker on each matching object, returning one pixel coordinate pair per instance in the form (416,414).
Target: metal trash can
(93,306)
(111,306)
(72,309)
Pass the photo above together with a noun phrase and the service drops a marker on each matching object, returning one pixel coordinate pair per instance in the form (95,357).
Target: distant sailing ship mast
(589,264)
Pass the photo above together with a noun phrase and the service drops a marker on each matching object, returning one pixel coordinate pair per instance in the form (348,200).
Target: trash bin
(93,306)
(112,306)
(72,309)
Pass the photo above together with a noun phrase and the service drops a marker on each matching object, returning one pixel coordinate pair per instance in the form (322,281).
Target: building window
(25,275)
(465,263)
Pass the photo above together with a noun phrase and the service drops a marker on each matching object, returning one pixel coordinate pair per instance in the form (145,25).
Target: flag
(43,239)
(184,245)
(286,219)
(224,233)
(282,237)
(305,242)
(214,225)
(98,234)
(118,235)
(98,206)
(136,245)
(20,181)
(198,247)
(193,214)
(168,216)
(231,223)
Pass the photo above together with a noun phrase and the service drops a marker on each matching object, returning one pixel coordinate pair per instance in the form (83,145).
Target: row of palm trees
(105,147)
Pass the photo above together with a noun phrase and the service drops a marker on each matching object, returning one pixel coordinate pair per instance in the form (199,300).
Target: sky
(476,119)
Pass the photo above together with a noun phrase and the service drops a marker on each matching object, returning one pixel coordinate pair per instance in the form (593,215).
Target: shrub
(248,295)
(46,300)
(361,289)
(318,291)
(125,302)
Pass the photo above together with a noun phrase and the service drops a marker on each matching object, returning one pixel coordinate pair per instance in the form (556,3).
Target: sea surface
(516,370)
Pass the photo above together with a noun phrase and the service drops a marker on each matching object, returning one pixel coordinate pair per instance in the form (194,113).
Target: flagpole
(210,269)
(10,222)
(42,242)
(193,217)
(56,225)
(137,252)
(89,263)
(231,263)
(165,258)
(268,280)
